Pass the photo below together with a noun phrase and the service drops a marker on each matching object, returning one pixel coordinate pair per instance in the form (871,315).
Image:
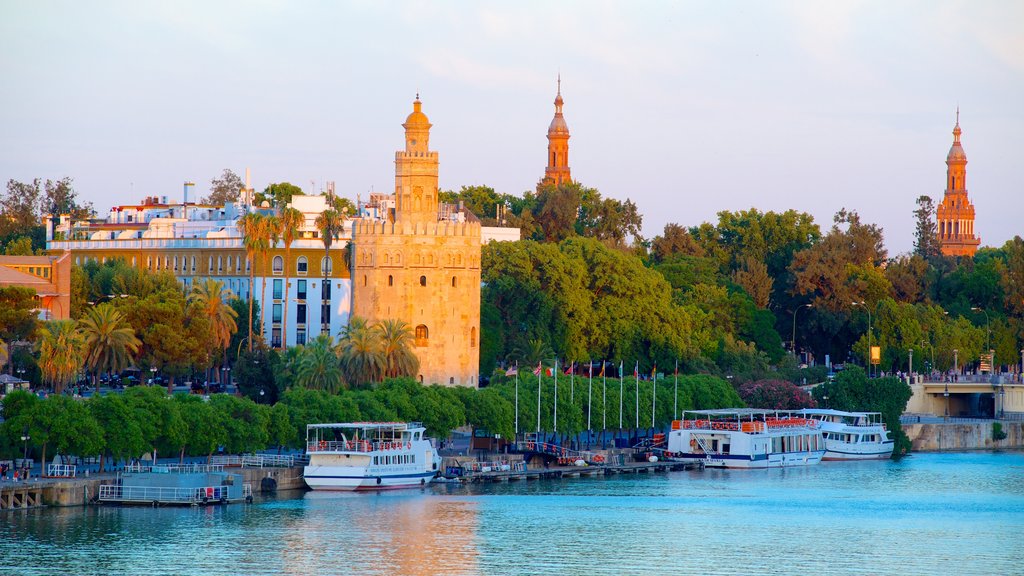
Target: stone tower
(955,215)
(423,267)
(557,170)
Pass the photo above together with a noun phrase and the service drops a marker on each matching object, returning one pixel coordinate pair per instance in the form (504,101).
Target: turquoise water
(954,513)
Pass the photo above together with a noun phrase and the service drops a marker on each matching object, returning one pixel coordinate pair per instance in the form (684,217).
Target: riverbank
(959,435)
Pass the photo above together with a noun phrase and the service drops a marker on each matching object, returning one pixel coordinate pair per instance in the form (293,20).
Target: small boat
(369,456)
(851,435)
(182,485)
(745,438)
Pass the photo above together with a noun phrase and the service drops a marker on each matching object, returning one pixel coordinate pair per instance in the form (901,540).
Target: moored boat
(745,438)
(851,435)
(369,456)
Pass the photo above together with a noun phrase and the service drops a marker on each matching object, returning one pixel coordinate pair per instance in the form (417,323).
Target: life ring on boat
(323,445)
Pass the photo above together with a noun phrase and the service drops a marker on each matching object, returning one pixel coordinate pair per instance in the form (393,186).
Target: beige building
(421,265)
(49,276)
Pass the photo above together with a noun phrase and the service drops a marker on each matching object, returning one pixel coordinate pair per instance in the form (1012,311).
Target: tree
(269,232)
(224,189)
(775,395)
(251,226)
(208,298)
(205,428)
(290,221)
(557,210)
(318,367)
(19,210)
(245,423)
(60,353)
(121,434)
(926,241)
(18,320)
(20,246)
(908,276)
(279,194)
(359,350)
(675,240)
(109,341)
(330,223)
(160,420)
(754,278)
(396,341)
(59,197)
(66,425)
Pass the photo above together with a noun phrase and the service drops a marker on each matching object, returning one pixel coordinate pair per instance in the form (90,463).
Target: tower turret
(416,171)
(955,215)
(557,170)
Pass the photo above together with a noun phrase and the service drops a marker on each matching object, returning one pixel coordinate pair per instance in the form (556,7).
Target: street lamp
(825,399)
(910,365)
(793,341)
(956,368)
(945,393)
(25,440)
(152,375)
(988,340)
(866,307)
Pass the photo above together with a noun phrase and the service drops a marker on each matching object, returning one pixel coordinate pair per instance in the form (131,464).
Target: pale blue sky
(687,107)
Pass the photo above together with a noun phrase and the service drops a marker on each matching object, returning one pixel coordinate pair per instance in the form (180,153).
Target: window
(277,313)
(301,290)
(326,266)
(391,280)
(454,282)
(451,380)
(422,335)
(278,265)
(220,264)
(423,280)
(302,265)
(278,284)
(275,338)
(472,337)
(300,313)
(325,291)
(325,317)
(300,337)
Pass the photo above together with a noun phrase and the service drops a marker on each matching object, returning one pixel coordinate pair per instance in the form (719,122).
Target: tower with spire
(557,171)
(955,215)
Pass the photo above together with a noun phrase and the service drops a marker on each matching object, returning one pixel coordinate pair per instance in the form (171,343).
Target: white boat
(369,456)
(745,438)
(851,435)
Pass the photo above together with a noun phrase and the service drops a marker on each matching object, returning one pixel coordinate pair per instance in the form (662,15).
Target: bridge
(969,395)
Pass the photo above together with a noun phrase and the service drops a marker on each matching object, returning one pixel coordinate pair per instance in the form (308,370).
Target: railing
(273,460)
(559,452)
(496,466)
(932,419)
(115,493)
(174,468)
(60,471)
(748,427)
(355,446)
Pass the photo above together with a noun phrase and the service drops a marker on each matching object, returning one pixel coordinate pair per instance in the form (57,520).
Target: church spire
(955,214)
(557,170)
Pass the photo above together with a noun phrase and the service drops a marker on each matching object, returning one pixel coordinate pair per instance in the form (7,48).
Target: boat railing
(496,466)
(750,427)
(174,468)
(60,471)
(341,446)
(166,494)
(273,460)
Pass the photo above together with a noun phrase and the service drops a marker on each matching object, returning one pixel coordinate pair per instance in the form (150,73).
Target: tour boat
(745,438)
(369,456)
(851,435)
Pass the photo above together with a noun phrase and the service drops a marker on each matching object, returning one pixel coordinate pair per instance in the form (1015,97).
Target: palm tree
(362,359)
(396,340)
(209,297)
(330,223)
(290,222)
(4,355)
(249,225)
(269,231)
(60,353)
(318,367)
(109,341)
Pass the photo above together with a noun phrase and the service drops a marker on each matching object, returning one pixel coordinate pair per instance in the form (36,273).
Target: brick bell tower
(955,215)
(557,170)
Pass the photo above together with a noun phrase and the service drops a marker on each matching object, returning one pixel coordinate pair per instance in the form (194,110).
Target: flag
(570,369)
(549,372)
(636,370)
(654,370)
(536,371)
(591,372)
(512,371)
(600,372)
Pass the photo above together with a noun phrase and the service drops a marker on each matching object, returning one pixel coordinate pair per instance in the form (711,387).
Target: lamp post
(910,365)
(825,399)
(793,341)
(956,368)
(152,375)
(24,440)
(945,394)
(988,340)
(866,307)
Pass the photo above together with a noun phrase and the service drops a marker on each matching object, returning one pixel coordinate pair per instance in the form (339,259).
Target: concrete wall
(962,436)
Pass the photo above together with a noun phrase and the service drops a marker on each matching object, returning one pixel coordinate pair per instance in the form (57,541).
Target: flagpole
(556,399)
(572,383)
(540,370)
(675,401)
(636,372)
(604,398)
(517,398)
(654,394)
(620,394)
(590,393)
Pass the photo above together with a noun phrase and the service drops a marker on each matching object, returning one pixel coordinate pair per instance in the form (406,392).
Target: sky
(687,108)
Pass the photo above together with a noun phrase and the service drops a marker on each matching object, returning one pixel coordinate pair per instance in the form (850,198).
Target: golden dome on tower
(417,119)
(956,151)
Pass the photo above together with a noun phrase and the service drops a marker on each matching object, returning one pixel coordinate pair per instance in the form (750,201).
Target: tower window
(423,280)
(391,280)
(454,282)
(422,335)
(472,337)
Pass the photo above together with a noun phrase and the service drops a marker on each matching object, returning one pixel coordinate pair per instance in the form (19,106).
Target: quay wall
(284,478)
(931,437)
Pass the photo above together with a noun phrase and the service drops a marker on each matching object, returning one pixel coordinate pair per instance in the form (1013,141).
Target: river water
(948,513)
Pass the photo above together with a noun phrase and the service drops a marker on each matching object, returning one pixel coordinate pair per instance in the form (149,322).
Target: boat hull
(875,452)
(340,479)
(778,460)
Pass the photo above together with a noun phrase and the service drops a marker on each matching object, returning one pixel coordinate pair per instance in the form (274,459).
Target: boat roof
(732,411)
(368,425)
(830,412)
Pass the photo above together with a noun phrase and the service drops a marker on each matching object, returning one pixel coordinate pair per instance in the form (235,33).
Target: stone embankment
(938,436)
